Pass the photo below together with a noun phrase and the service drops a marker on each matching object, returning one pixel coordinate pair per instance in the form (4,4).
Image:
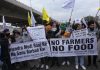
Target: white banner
(73,47)
(29,50)
(37,33)
(80,33)
(58,48)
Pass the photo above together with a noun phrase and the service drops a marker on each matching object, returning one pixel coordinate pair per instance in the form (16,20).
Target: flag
(68,4)
(33,21)
(29,19)
(98,8)
(45,15)
(84,21)
(4,23)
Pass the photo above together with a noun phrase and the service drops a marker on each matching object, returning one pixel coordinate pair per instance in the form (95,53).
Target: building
(16,12)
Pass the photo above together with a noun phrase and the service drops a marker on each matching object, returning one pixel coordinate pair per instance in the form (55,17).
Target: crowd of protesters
(53,30)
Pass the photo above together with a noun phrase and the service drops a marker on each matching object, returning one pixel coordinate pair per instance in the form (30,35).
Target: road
(70,67)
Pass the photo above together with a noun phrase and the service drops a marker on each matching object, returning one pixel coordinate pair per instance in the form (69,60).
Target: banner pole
(31,11)
(70,18)
(71,14)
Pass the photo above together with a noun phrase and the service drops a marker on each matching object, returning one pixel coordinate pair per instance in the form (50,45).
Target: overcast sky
(54,8)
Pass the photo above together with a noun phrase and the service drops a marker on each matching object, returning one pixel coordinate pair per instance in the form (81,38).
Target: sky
(54,8)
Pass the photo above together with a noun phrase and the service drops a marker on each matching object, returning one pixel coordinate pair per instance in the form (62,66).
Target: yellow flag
(45,15)
(29,19)
(98,8)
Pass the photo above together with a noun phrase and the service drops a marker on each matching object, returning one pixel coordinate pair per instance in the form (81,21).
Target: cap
(6,30)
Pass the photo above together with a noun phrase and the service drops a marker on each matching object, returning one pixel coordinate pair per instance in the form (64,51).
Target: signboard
(37,33)
(29,50)
(73,47)
(80,33)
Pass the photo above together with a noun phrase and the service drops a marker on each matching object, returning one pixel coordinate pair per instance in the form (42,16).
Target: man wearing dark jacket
(4,43)
(52,34)
(92,27)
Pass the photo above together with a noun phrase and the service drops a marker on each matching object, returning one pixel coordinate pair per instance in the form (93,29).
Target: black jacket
(52,34)
(4,43)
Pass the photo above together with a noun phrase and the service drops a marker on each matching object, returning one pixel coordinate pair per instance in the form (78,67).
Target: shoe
(83,67)
(42,66)
(76,67)
(64,63)
(68,63)
(47,67)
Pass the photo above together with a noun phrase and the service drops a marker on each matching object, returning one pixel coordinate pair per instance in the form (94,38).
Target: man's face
(92,26)
(7,34)
(54,25)
(48,28)
(17,35)
(79,27)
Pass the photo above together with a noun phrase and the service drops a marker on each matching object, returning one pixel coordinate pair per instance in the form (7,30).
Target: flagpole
(70,18)
(4,23)
(31,11)
(71,14)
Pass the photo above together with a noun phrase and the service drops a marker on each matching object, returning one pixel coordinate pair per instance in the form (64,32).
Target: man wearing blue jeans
(79,60)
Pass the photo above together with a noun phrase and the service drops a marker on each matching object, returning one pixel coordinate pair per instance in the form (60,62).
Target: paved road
(71,67)
(65,67)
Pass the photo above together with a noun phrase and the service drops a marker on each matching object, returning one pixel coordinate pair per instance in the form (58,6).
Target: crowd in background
(53,30)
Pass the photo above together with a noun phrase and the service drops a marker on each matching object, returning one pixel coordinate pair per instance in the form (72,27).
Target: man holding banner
(79,60)
(93,29)
(78,43)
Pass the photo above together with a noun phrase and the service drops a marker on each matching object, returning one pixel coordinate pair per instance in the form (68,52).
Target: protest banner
(58,48)
(83,33)
(80,33)
(73,47)
(37,33)
(29,50)
(91,34)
